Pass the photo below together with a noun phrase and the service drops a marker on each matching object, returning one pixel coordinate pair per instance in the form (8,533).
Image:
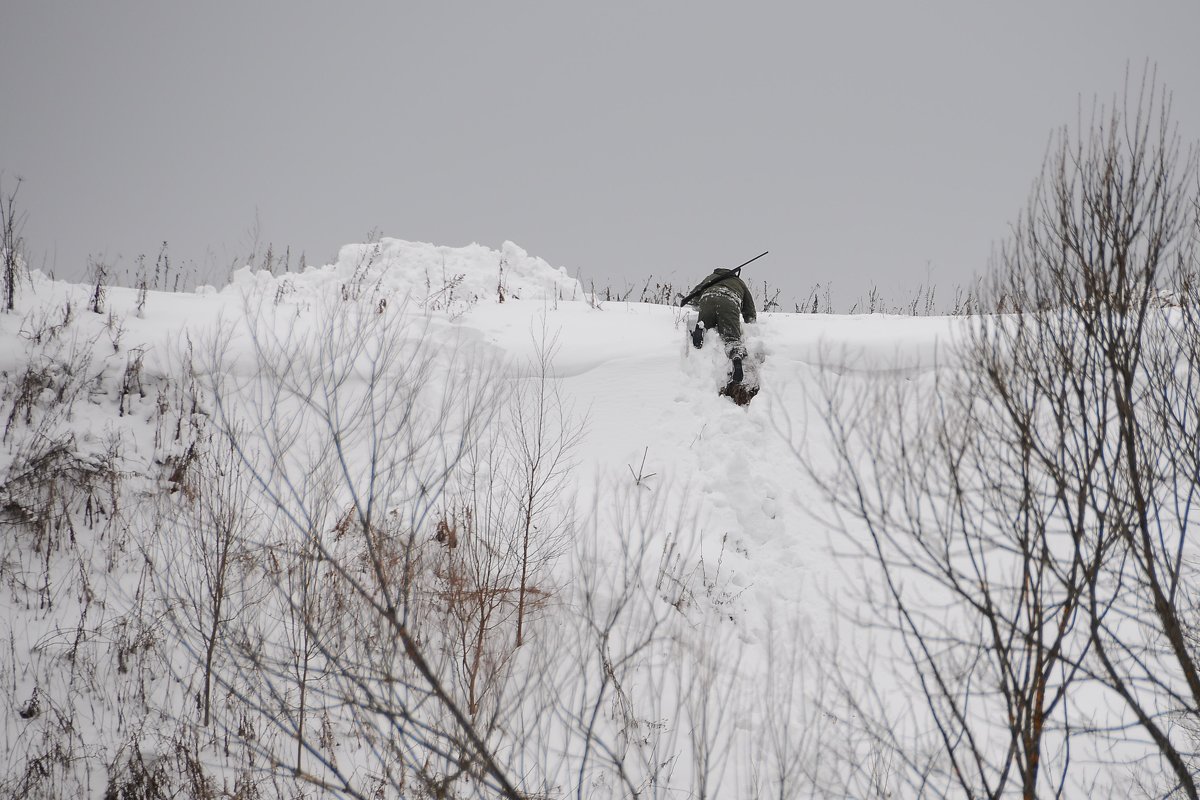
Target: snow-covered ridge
(433,276)
(690,589)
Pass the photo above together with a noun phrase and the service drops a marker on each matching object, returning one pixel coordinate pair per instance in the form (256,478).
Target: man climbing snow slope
(723,300)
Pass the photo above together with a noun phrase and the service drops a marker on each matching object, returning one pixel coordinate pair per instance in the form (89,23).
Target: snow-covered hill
(681,637)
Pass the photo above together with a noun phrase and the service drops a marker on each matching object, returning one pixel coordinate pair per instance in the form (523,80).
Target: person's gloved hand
(698,336)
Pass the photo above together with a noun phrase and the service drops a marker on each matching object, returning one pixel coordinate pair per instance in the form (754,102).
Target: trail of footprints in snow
(732,475)
(731,447)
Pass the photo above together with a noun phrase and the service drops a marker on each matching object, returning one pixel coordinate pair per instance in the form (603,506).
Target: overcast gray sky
(862,143)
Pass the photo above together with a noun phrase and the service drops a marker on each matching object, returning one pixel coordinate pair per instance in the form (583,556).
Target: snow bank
(435,277)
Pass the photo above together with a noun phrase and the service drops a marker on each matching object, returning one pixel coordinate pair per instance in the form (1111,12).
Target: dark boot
(737,371)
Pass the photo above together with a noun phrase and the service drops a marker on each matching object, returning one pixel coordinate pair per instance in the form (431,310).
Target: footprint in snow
(769,507)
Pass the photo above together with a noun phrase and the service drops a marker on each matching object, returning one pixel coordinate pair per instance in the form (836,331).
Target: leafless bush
(361,413)
(476,592)
(770,300)
(46,324)
(132,777)
(131,380)
(442,295)
(46,768)
(100,272)
(52,495)
(179,417)
(211,576)
(922,303)
(1112,225)
(143,288)
(46,489)
(646,698)
(49,477)
(57,373)
(792,725)
(543,435)
(818,301)
(11,244)
(656,292)
(356,288)
(966,302)
(26,394)
(1030,513)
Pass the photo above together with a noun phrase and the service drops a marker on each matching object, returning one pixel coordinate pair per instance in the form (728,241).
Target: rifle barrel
(756,258)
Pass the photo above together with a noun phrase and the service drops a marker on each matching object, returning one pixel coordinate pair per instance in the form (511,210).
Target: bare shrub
(642,690)
(446,297)
(210,581)
(100,274)
(357,287)
(131,380)
(45,324)
(543,435)
(57,373)
(818,301)
(477,593)
(12,245)
(1029,513)
(359,413)
(132,777)
(506,525)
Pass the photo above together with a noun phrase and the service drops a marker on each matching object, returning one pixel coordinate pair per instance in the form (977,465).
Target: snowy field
(691,611)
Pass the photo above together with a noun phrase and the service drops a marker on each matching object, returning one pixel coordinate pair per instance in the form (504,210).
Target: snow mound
(435,277)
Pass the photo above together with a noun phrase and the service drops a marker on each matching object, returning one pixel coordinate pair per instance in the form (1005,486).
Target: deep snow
(650,403)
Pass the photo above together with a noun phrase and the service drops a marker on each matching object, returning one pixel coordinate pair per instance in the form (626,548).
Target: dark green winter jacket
(724,304)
